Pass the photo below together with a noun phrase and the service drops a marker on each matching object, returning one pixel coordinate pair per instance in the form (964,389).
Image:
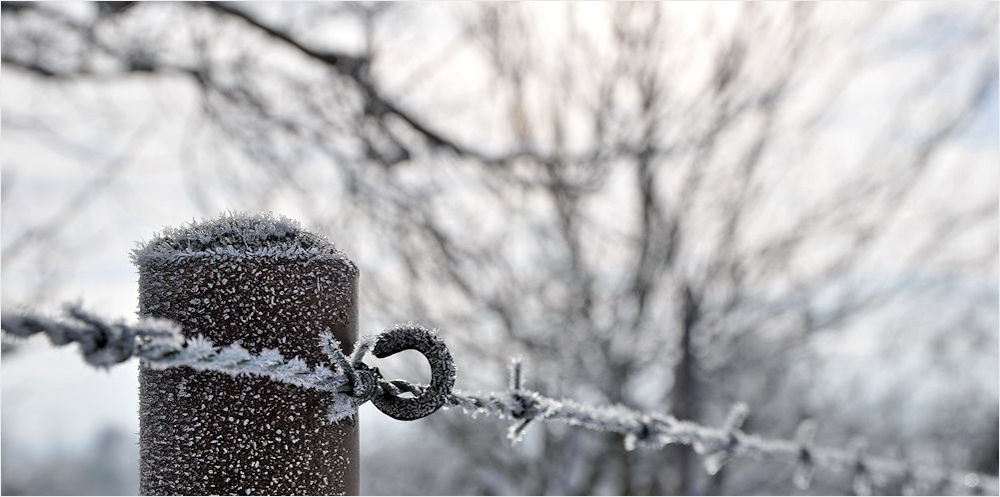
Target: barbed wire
(161,344)
(719,445)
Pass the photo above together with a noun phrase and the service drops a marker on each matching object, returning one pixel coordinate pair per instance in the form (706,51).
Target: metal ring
(442,372)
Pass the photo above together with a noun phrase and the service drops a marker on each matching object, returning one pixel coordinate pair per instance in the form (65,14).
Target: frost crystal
(237,235)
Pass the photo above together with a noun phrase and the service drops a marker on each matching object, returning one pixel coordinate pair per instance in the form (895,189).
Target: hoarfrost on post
(237,280)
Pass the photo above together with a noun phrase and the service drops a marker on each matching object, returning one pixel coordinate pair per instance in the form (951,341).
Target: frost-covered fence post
(267,284)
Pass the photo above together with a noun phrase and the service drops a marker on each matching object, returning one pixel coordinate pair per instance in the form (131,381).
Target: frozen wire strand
(659,430)
(714,461)
(160,344)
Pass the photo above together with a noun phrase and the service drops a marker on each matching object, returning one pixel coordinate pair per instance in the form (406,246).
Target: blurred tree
(666,206)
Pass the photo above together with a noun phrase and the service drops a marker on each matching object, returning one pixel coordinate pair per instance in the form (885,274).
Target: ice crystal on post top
(237,235)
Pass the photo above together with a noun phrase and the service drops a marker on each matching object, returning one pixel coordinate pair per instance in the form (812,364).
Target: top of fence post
(266,283)
(238,235)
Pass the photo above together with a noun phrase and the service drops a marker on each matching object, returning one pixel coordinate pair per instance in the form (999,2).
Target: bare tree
(648,202)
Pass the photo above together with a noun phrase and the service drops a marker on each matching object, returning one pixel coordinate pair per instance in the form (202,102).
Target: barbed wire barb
(805,436)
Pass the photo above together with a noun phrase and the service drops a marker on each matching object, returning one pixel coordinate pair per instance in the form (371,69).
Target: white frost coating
(200,354)
(238,235)
(160,344)
(654,431)
(717,445)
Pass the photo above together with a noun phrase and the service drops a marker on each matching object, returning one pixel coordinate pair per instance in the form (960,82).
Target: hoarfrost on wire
(159,342)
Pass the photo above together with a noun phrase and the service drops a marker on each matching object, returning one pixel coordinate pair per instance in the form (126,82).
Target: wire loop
(429,399)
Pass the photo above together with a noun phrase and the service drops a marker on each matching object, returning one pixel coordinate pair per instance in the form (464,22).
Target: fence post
(267,284)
